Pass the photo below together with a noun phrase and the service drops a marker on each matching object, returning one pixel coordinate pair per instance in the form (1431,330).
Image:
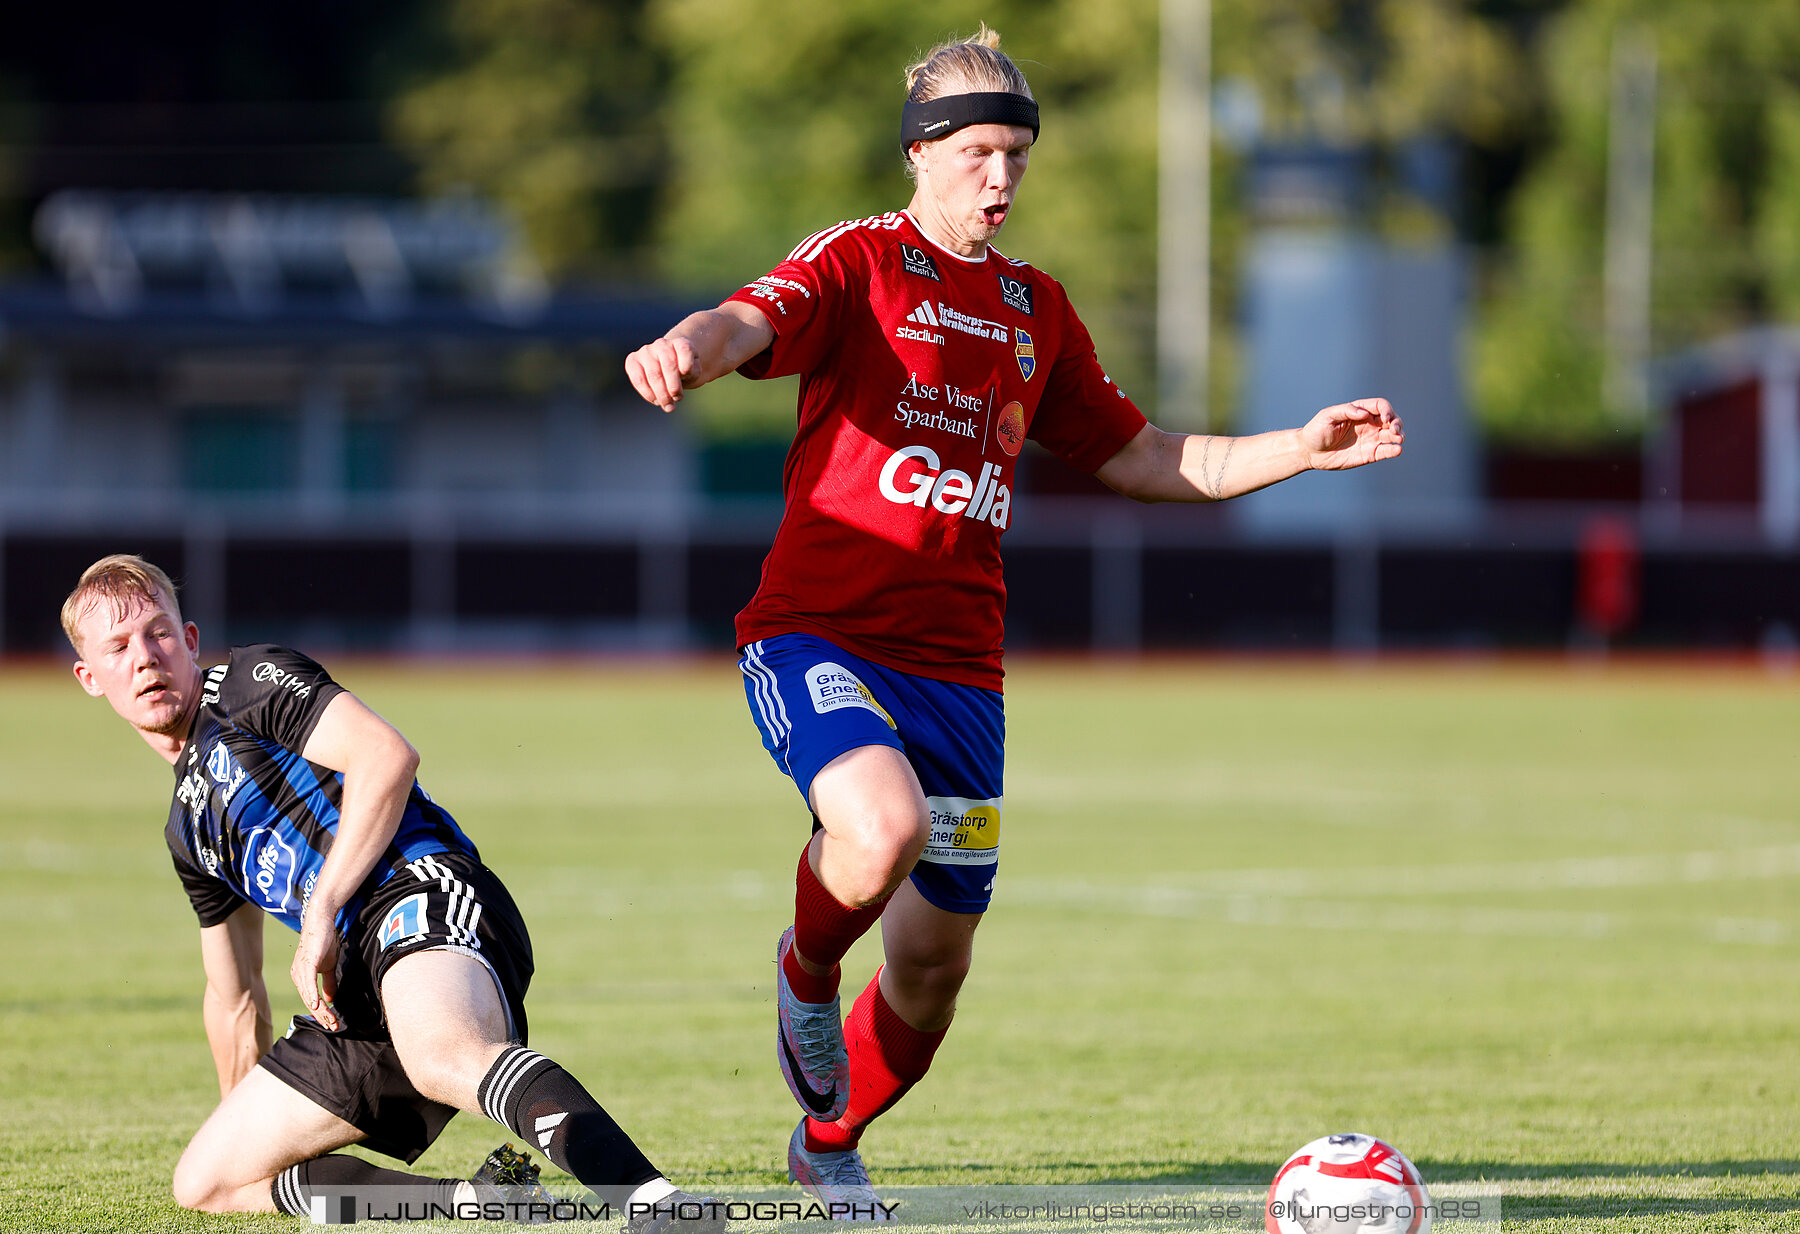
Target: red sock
(887,1057)
(823,932)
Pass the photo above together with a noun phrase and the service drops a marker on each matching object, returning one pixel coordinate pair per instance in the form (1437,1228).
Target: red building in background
(1730,441)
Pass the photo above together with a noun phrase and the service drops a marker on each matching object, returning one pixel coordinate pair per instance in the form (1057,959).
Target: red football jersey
(921,375)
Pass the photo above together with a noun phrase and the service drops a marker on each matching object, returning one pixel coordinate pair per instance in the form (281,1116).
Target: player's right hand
(658,370)
(314,970)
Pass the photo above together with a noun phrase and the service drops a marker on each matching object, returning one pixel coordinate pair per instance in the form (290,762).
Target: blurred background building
(325,311)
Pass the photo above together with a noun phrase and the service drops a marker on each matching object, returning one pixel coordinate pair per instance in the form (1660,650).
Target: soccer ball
(1348,1184)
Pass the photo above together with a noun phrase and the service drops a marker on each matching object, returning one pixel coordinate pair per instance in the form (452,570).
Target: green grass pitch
(1535,925)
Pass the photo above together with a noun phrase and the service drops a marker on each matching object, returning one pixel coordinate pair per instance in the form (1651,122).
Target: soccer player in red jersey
(871,651)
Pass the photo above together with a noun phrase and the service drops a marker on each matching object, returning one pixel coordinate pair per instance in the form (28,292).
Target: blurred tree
(784,118)
(552,108)
(1726,249)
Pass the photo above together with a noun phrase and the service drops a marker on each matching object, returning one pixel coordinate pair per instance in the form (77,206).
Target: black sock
(293,1187)
(534,1098)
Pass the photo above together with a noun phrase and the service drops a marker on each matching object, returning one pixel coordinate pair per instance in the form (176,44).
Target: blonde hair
(974,65)
(120,578)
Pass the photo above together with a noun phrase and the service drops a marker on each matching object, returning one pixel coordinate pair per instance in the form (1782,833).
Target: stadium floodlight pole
(1184,215)
(1630,195)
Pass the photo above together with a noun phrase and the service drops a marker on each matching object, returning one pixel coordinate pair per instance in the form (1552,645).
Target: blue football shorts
(813,701)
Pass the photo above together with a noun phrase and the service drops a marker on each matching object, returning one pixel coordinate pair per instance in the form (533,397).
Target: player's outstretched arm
(378,766)
(235,1007)
(705,346)
(1159,466)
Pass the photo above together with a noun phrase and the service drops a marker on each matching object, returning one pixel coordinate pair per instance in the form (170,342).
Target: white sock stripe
(503,1098)
(513,1070)
(502,1066)
(289,1183)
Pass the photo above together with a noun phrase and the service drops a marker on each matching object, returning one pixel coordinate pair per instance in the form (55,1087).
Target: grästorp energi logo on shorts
(965,831)
(405,921)
(835,687)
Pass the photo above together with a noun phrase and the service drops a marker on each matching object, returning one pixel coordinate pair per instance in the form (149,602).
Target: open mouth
(155,691)
(995,215)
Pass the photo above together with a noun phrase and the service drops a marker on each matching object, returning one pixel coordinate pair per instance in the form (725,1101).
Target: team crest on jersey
(1016,293)
(225,771)
(1024,353)
(406,921)
(916,260)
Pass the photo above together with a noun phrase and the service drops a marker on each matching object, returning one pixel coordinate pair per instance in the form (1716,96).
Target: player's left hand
(1364,430)
(315,969)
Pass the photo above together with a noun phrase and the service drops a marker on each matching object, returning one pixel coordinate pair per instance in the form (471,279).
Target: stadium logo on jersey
(1025,354)
(965,831)
(917,261)
(1016,293)
(912,477)
(921,316)
(290,682)
(225,772)
(835,687)
(406,921)
(1009,429)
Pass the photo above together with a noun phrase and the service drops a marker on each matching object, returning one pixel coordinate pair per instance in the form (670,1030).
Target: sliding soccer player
(871,652)
(296,801)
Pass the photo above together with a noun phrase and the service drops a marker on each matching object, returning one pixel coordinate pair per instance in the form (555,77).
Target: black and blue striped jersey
(252,819)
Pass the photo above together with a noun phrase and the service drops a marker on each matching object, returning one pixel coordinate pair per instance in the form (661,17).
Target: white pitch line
(1636,870)
(1315,914)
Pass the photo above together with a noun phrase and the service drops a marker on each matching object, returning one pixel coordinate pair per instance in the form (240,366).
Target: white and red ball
(1348,1184)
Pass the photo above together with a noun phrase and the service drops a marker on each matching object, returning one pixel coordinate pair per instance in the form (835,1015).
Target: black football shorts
(446,902)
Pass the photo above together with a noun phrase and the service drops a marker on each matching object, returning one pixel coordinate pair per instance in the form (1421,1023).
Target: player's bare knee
(198,1189)
(884,868)
(874,853)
